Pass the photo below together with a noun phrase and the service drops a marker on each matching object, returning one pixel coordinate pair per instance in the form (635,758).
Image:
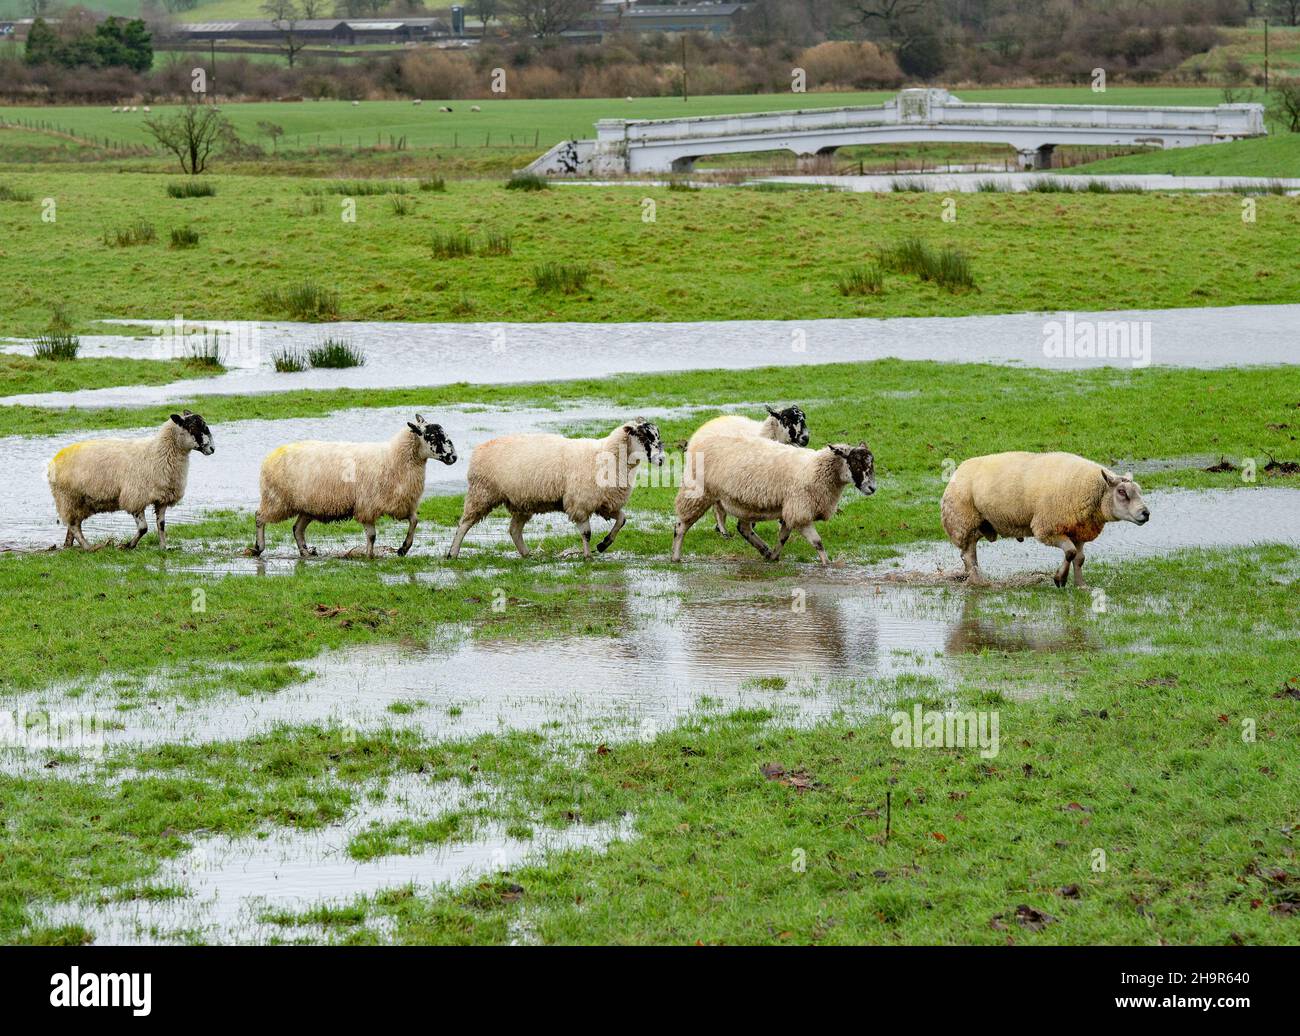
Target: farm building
(341,31)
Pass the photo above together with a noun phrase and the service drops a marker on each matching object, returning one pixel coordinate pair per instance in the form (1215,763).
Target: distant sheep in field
(332,481)
(539,474)
(758,480)
(418,101)
(475,108)
(788,426)
(355,103)
(146,109)
(1060,499)
(117,109)
(103,475)
(444,108)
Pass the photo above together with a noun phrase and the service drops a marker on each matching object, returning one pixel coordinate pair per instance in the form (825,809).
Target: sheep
(103,475)
(418,101)
(1061,499)
(355,104)
(332,481)
(788,425)
(538,474)
(475,108)
(146,109)
(761,480)
(444,108)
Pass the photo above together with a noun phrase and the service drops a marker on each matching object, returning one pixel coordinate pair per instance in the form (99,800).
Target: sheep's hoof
(253,552)
(1059,580)
(402,552)
(725,534)
(602,546)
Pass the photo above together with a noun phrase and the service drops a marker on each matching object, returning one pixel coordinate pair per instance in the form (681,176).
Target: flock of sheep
(750,470)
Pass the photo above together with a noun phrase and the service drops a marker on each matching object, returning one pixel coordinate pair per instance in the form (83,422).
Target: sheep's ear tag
(415,429)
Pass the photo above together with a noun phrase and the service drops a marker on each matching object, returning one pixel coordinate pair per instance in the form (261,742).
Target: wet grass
(184,237)
(1174,762)
(306,301)
(191,188)
(335,353)
(736,254)
(24,374)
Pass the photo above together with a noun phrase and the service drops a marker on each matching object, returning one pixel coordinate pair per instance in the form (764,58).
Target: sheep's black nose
(1146,513)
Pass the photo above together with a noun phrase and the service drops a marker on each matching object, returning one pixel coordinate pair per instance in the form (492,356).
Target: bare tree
(549,17)
(312,8)
(486,10)
(1287,10)
(284,15)
(190,134)
(1284,105)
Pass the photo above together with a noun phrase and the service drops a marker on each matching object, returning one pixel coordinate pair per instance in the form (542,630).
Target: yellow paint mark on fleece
(66,452)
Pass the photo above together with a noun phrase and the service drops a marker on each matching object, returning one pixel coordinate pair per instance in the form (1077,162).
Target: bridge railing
(1223,120)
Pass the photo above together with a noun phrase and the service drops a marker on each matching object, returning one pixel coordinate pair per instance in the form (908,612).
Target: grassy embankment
(734,253)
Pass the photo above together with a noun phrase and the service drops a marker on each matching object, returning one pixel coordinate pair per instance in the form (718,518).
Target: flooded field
(405,355)
(970,181)
(229,478)
(234,886)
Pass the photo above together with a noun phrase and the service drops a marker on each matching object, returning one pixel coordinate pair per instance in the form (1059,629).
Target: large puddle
(405,355)
(229,478)
(970,181)
(234,886)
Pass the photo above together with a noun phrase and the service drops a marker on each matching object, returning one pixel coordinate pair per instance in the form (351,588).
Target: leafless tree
(1287,10)
(285,15)
(191,134)
(1284,103)
(549,17)
(484,11)
(312,8)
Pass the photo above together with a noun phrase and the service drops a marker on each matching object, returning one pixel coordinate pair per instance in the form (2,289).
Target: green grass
(191,188)
(509,123)
(1275,155)
(335,353)
(20,375)
(736,254)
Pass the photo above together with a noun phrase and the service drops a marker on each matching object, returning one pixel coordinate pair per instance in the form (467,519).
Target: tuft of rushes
(141,232)
(8,193)
(305,301)
(204,350)
(949,267)
(401,205)
(452,244)
(56,344)
(334,353)
(565,278)
(862,280)
(289,360)
(495,243)
(184,237)
(527,182)
(433,183)
(191,189)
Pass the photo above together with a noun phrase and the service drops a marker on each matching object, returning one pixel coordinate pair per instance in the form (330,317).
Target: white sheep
(117,109)
(418,101)
(475,108)
(146,109)
(444,108)
(1060,499)
(333,481)
(759,480)
(103,475)
(788,425)
(538,474)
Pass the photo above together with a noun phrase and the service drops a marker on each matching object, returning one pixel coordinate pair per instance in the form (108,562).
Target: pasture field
(1275,155)
(1128,741)
(708,254)
(523,121)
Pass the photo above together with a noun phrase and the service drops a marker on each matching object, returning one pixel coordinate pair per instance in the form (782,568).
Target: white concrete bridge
(1034,130)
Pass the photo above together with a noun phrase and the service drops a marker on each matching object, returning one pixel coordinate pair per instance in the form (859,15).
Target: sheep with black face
(103,475)
(539,473)
(759,480)
(787,425)
(316,481)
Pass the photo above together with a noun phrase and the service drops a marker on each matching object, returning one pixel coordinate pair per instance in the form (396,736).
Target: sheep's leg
(746,529)
(300,536)
(1062,575)
(1079,584)
(584,528)
(80,536)
(370,538)
(160,519)
(781,538)
(412,522)
(690,509)
(67,540)
(721,521)
(259,543)
(620,520)
(809,532)
(517,523)
(141,527)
